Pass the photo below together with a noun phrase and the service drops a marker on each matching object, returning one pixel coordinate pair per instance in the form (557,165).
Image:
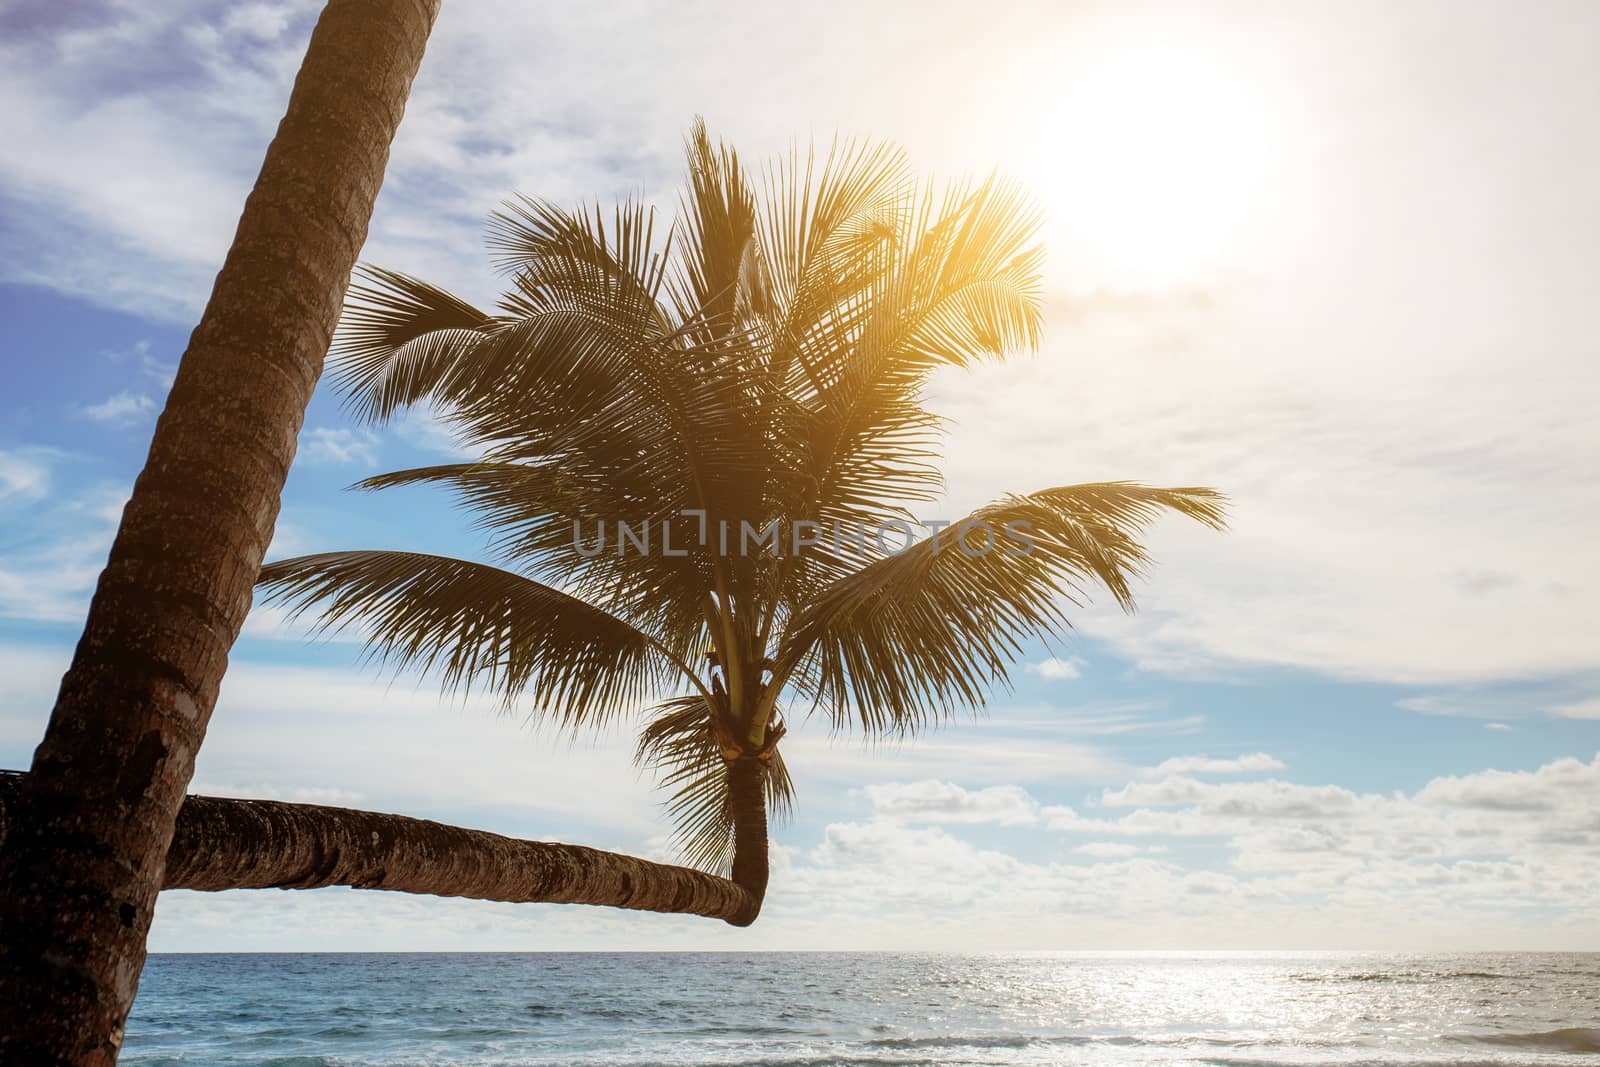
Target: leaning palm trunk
(80,871)
(221,843)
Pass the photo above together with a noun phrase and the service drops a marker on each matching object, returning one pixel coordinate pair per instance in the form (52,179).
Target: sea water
(354,1010)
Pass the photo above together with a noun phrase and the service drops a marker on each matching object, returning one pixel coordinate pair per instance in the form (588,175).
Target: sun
(1153,163)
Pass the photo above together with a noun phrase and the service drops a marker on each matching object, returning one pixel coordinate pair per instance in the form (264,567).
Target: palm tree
(747,391)
(221,843)
(84,851)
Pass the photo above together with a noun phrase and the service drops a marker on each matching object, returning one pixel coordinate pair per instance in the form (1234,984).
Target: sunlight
(1152,161)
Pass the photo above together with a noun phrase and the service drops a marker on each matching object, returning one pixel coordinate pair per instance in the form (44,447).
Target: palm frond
(673,390)
(539,513)
(723,272)
(479,625)
(397,341)
(913,637)
(960,282)
(821,235)
(546,247)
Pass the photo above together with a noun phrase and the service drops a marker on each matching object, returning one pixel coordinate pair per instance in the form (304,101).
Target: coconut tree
(83,848)
(698,451)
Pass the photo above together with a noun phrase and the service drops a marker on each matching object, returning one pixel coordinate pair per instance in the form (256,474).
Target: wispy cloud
(423,427)
(50,563)
(23,476)
(943,802)
(161,371)
(125,408)
(1582,709)
(1255,761)
(1569,697)
(1107,850)
(1057,669)
(325,444)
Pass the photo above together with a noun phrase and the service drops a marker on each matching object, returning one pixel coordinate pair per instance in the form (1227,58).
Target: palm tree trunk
(263,844)
(747,795)
(80,871)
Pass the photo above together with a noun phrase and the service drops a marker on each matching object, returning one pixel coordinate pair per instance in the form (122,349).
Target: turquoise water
(496,1010)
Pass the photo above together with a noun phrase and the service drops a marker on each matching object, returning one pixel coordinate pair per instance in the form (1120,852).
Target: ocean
(816,1009)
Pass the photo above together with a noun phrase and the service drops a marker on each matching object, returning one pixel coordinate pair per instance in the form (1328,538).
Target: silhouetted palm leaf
(398,339)
(479,625)
(913,637)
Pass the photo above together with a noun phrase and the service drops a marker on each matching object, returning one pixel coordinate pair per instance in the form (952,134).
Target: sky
(1336,260)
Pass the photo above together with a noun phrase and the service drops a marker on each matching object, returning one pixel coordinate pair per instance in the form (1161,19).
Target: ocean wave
(1566,1039)
(959,1041)
(1174,1041)
(1336,977)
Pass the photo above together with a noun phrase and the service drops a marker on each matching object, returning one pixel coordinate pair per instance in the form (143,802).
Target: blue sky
(1335,261)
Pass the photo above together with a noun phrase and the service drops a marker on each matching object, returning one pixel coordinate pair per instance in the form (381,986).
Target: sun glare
(1152,165)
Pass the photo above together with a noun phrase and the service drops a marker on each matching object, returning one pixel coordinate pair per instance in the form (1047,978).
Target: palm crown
(760,368)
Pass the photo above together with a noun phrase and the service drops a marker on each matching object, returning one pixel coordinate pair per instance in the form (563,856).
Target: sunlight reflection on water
(818,1009)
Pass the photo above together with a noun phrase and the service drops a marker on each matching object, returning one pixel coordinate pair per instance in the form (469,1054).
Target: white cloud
(48,572)
(1254,761)
(1005,749)
(943,802)
(1439,704)
(1269,799)
(1485,859)
(275,622)
(121,409)
(303,794)
(393,745)
(1568,786)
(1057,669)
(159,231)
(22,476)
(1561,698)
(1582,709)
(264,22)
(423,427)
(1101,719)
(157,370)
(288,539)
(325,444)
(162,372)
(1306,578)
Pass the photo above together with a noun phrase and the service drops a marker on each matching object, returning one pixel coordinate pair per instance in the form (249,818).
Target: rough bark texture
(80,871)
(264,844)
(747,792)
